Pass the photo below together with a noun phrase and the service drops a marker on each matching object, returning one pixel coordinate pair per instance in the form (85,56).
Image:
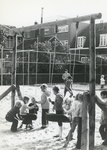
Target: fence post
(85,123)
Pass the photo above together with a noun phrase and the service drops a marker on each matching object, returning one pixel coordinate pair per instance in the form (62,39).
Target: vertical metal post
(53,60)
(70,63)
(2,65)
(50,69)
(23,57)
(28,65)
(37,62)
(42,15)
(92,81)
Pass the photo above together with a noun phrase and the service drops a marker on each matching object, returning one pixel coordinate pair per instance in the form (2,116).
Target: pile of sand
(38,139)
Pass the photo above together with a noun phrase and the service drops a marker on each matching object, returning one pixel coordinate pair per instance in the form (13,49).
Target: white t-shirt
(102,81)
(24,109)
(76,109)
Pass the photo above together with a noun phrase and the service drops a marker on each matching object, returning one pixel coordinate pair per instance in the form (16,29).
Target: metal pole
(42,15)
(2,65)
(37,62)
(50,69)
(23,57)
(28,65)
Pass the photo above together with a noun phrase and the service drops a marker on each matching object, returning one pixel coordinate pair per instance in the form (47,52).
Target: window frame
(103,40)
(81,41)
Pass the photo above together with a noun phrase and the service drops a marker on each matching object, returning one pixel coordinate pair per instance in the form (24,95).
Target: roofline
(60,22)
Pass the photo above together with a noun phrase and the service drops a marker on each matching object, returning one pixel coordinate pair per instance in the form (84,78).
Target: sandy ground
(37,139)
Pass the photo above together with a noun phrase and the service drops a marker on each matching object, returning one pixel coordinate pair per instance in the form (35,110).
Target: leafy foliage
(46,53)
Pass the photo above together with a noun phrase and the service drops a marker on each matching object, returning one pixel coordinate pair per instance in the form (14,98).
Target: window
(62,29)
(103,40)
(19,40)
(81,41)
(9,42)
(27,35)
(64,42)
(46,31)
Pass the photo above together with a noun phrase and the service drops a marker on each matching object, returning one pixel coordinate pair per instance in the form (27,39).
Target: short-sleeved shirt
(102,81)
(65,76)
(76,109)
(24,109)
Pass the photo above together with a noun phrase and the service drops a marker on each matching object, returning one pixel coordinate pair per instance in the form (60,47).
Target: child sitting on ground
(14,115)
(102,81)
(76,114)
(102,103)
(27,117)
(44,104)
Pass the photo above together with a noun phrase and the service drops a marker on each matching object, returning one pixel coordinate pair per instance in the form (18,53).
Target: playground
(37,139)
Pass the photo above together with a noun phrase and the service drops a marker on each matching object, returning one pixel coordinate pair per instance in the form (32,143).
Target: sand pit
(38,139)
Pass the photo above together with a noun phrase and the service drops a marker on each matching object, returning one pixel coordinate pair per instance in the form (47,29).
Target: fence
(39,67)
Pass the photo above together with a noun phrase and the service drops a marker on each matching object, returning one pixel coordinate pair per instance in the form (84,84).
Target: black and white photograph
(53,75)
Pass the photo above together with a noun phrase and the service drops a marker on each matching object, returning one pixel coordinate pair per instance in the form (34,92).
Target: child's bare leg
(70,134)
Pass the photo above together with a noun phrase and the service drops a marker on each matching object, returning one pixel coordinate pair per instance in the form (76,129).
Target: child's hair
(18,104)
(56,89)
(25,98)
(103,93)
(102,76)
(66,69)
(43,86)
(79,96)
(33,100)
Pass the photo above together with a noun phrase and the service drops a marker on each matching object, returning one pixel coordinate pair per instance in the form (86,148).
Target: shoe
(56,136)
(43,127)
(30,127)
(59,139)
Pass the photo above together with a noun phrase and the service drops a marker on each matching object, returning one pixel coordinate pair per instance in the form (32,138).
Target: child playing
(65,75)
(68,85)
(44,104)
(33,103)
(58,107)
(76,114)
(14,115)
(27,117)
(35,109)
(102,103)
(102,81)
